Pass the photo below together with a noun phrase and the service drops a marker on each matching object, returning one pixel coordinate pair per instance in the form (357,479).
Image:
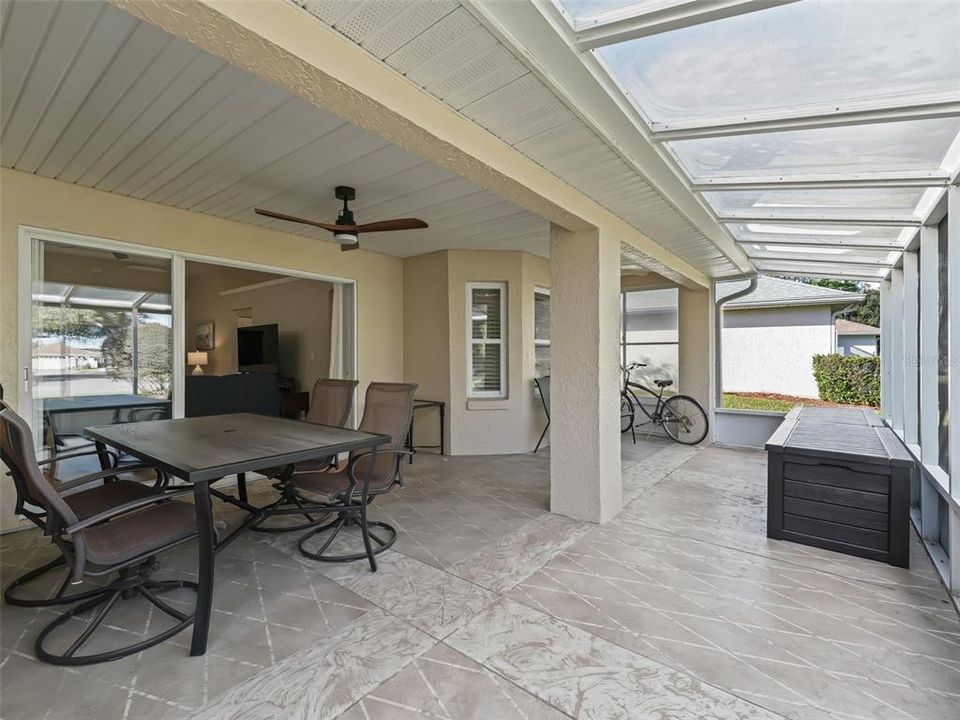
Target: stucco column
(585,479)
(696,351)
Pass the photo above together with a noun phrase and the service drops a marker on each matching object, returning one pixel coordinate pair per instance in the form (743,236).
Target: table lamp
(197,359)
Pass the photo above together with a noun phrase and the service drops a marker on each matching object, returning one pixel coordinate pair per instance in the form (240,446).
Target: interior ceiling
(442,47)
(90,95)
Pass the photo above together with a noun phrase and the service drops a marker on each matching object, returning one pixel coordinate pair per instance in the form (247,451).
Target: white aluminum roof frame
(821,133)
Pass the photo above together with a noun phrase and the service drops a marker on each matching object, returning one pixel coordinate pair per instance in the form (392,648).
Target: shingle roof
(849,327)
(777,292)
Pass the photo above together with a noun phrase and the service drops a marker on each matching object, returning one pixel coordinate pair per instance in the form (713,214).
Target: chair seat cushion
(87,503)
(141,532)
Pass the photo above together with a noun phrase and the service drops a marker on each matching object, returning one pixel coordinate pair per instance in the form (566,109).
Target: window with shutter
(487,354)
(541,332)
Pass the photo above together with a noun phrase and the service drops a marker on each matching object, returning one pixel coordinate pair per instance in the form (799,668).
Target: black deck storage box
(838,478)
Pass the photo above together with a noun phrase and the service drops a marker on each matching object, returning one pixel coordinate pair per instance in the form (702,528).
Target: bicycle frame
(654,417)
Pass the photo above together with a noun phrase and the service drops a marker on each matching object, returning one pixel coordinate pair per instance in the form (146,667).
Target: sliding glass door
(101,339)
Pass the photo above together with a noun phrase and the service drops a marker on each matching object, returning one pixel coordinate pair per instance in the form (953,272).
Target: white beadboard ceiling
(92,96)
(442,47)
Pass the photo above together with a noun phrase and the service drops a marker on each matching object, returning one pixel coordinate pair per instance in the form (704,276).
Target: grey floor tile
(584,675)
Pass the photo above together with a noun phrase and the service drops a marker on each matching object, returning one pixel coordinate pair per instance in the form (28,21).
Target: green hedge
(849,379)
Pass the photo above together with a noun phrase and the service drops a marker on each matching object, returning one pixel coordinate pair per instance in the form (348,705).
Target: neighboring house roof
(777,292)
(848,327)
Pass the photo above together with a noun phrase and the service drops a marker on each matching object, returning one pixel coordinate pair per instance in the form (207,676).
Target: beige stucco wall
(426,332)
(491,426)
(435,348)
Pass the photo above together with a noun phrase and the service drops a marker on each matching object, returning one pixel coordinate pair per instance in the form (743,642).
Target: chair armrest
(124,509)
(71,455)
(103,474)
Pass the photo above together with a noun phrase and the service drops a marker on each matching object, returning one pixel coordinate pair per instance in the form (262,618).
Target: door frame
(28,237)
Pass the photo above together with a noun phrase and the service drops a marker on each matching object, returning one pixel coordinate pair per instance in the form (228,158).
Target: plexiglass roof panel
(913,145)
(827,234)
(800,54)
(760,251)
(818,203)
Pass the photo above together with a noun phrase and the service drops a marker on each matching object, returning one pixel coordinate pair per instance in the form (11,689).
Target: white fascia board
(537,33)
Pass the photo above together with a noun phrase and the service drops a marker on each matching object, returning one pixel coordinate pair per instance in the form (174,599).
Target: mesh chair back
(543,385)
(16,451)
(388,410)
(331,402)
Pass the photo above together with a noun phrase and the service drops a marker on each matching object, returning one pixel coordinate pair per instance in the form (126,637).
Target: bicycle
(681,417)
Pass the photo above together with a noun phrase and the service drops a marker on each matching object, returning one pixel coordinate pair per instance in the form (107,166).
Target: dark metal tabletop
(211,447)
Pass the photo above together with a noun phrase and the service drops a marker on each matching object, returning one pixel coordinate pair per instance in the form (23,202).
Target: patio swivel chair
(348,491)
(330,404)
(87,494)
(122,539)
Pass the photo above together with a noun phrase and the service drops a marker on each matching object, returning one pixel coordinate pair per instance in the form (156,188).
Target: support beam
(911,349)
(862,220)
(585,480)
(895,346)
(818,117)
(279,42)
(953,324)
(929,352)
(811,182)
(697,367)
(878,245)
(630,23)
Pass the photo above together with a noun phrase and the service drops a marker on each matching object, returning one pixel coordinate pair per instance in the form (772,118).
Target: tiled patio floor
(491,608)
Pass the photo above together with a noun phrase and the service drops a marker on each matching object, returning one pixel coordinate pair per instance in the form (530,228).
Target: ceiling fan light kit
(346,231)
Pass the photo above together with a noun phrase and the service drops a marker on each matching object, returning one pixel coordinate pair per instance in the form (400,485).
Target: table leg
(206,543)
(442,413)
(242,487)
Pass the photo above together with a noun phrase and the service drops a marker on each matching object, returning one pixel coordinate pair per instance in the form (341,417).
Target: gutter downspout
(833,327)
(718,332)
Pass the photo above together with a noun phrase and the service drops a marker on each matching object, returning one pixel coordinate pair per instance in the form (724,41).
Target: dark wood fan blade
(398,224)
(304,221)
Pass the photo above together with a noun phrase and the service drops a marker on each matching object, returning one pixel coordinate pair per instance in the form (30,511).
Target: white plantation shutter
(541,332)
(486,307)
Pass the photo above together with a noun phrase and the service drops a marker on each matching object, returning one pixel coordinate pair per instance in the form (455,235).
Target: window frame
(502,393)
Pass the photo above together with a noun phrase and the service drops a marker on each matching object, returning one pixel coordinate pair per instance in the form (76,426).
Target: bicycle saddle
(663,383)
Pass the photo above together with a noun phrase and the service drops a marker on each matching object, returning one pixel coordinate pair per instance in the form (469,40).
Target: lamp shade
(196,358)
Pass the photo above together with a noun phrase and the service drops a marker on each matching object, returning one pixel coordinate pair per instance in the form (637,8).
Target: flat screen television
(258,349)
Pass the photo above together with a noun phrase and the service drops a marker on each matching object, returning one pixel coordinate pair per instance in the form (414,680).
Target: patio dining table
(203,450)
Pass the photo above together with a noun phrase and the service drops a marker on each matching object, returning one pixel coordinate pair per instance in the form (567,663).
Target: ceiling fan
(346,231)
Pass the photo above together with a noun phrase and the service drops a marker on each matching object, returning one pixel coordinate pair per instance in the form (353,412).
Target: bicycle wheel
(626,413)
(684,420)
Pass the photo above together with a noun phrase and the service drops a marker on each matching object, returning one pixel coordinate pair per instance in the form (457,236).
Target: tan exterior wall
(435,348)
(491,426)
(301,309)
(39,202)
(426,338)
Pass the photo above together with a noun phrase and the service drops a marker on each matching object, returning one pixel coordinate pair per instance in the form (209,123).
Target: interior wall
(31,200)
(299,306)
